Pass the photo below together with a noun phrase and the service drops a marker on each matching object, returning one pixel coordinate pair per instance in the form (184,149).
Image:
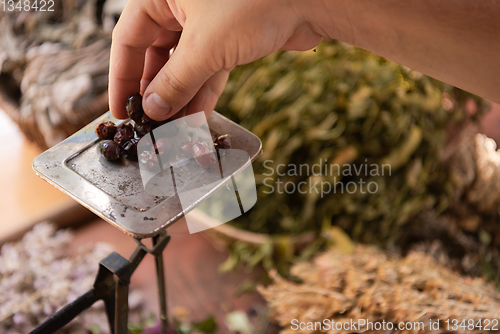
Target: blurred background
(426,242)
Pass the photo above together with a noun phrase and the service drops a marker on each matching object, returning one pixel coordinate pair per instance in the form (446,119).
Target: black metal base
(112,286)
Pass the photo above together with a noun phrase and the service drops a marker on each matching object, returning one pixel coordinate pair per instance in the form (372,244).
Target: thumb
(178,81)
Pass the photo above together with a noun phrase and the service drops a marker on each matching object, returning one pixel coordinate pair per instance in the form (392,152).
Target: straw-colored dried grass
(370,284)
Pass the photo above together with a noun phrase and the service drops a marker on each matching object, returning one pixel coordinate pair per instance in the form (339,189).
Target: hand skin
(457,42)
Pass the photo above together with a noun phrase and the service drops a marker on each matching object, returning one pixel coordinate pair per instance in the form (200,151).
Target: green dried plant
(340,106)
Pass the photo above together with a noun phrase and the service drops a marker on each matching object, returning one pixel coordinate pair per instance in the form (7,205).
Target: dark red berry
(150,160)
(106,130)
(110,150)
(187,148)
(130,149)
(223,142)
(161,146)
(203,155)
(134,108)
(152,164)
(156,124)
(124,133)
(144,127)
(214,135)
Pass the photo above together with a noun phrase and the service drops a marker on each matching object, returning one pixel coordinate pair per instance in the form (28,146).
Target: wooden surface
(24,198)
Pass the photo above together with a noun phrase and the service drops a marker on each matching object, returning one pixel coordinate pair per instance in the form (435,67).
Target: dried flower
(37,277)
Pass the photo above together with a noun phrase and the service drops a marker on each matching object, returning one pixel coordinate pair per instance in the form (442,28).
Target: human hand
(216,36)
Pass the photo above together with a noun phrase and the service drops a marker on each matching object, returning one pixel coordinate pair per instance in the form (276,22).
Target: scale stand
(111,285)
(116,193)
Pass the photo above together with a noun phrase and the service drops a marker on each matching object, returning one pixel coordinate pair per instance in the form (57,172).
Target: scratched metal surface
(115,191)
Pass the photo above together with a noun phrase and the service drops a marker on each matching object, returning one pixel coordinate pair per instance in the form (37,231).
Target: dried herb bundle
(54,68)
(343,106)
(476,170)
(370,284)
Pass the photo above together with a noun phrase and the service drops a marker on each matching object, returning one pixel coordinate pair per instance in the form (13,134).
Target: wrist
(329,18)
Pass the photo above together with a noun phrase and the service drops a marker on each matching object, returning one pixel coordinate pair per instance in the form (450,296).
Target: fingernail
(157,107)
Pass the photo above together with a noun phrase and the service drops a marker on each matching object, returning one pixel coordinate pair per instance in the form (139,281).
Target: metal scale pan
(118,193)
(115,191)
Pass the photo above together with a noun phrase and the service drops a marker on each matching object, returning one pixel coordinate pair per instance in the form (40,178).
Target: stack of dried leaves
(369,284)
(339,105)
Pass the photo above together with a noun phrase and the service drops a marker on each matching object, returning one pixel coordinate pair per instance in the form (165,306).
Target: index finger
(135,31)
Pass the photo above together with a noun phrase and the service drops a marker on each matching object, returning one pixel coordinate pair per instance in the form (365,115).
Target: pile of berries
(117,141)
(121,141)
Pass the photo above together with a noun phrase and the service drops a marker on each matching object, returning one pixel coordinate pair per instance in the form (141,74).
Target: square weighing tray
(115,191)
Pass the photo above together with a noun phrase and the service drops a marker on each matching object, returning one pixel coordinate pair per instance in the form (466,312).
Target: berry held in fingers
(134,108)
